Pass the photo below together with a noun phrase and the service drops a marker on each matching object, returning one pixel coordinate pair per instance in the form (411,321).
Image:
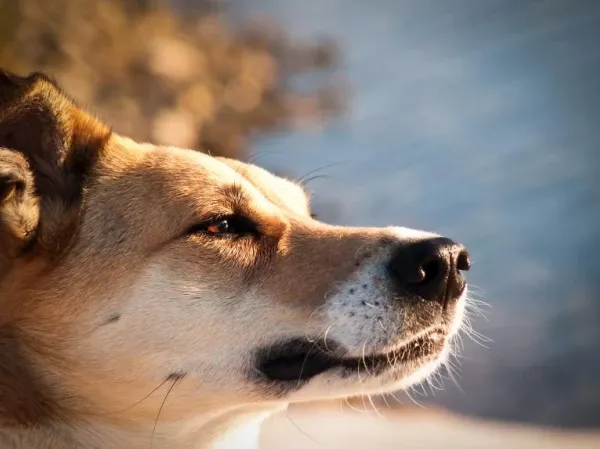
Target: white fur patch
(361,314)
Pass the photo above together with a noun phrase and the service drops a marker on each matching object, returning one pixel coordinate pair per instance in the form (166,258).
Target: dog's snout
(431,269)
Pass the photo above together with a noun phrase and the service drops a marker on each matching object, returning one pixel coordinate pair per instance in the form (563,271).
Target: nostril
(413,277)
(463,262)
(430,270)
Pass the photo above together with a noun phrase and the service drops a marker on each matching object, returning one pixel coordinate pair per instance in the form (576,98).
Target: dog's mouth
(301,360)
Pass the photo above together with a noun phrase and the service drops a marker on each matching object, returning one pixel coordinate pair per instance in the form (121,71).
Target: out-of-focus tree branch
(191,80)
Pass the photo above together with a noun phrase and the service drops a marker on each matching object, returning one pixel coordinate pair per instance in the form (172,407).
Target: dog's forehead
(183,167)
(182,171)
(166,171)
(170,174)
(278,190)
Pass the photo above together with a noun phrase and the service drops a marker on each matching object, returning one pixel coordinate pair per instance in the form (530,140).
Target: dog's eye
(232,225)
(219,227)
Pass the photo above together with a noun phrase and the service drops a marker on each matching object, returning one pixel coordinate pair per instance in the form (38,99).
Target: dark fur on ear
(60,143)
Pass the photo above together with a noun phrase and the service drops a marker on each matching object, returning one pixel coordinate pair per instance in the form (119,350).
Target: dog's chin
(299,361)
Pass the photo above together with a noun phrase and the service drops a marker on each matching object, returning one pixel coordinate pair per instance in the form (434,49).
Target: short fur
(121,326)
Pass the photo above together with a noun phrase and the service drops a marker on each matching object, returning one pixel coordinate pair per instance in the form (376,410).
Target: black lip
(299,360)
(296,360)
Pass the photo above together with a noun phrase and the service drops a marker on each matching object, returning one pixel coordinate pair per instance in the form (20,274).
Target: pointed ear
(50,148)
(60,141)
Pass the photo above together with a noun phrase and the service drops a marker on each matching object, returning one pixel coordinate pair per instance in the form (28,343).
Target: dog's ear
(50,146)
(19,206)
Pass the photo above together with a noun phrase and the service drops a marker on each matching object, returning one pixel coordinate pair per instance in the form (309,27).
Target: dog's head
(130,272)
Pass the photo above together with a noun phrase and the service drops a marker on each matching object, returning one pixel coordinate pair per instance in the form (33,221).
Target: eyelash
(227,226)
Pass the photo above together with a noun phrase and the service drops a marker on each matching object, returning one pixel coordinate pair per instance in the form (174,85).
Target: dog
(153,296)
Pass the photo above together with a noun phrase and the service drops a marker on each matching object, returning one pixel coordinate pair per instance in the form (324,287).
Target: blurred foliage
(191,80)
(9,17)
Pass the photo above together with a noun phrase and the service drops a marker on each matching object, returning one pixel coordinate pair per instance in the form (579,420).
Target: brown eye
(234,225)
(219,227)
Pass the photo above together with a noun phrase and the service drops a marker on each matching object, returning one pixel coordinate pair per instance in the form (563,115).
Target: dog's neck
(239,428)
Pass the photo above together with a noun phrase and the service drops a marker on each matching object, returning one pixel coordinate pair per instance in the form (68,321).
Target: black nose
(431,269)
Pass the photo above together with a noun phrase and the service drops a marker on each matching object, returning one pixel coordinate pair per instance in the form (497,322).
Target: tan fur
(117,328)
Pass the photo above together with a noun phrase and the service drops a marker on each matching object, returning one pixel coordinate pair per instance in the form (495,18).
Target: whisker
(478,338)
(399,401)
(389,361)
(475,311)
(364,360)
(306,181)
(412,399)
(325,338)
(360,379)
(375,409)
(475,289)
(302,179)
(364,403)
(477,307)
(255,158)
(460,344)
(472,300)
(177,377)
(354,408)
(423,392)
(462,357)
(435,377)
(382,395)
(141,400)
(450,369)
(287,413)
(314,345)
(313,313)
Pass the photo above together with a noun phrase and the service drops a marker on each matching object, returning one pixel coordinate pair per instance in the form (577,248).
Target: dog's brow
(236,196)
(234,192)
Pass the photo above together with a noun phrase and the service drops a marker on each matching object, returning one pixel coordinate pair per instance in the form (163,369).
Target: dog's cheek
(24,398)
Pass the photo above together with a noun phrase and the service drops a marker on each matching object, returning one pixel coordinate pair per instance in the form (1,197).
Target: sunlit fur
(123,326)
(472,308)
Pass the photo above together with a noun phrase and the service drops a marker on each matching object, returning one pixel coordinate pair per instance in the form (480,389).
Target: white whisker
(325,338)
(354,408)
(375,409)
(412,399)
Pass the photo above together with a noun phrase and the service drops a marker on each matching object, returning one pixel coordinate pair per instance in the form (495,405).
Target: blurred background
(476,119)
